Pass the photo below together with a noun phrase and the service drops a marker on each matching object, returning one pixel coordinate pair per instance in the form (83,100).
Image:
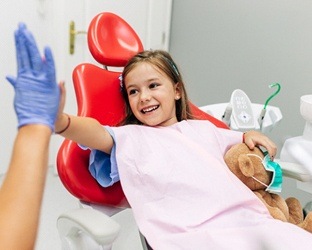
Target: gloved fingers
(22,57)
(12,80)
(37,95)
(33,51)
(49,65)
(22,26)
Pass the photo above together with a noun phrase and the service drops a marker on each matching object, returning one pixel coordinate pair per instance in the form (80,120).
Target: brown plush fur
(244,167)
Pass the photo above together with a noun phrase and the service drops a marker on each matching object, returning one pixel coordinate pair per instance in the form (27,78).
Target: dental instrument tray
(243,115)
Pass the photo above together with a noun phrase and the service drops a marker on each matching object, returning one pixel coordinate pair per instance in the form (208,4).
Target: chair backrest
(112,42)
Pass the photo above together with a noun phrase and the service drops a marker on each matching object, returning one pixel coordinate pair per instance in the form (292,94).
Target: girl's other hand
(254,138)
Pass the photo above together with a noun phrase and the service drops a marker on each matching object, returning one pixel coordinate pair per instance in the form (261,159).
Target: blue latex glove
(37,94)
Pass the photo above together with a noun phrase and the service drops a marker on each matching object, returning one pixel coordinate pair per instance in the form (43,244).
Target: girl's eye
(153,85)
(132,91)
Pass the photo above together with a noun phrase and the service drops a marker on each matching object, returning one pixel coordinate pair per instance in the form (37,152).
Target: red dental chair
(111,42)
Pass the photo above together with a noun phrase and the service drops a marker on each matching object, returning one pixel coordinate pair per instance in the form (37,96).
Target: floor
(58,200)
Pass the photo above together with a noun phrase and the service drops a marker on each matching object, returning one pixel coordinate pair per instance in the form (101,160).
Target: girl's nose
(145,96)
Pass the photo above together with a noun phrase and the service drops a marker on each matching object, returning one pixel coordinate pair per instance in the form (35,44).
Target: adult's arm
(22,189)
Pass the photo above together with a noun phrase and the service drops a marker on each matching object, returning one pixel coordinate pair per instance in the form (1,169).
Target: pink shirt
(184,196)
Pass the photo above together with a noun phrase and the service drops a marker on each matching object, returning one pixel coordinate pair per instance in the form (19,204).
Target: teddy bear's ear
(245,165)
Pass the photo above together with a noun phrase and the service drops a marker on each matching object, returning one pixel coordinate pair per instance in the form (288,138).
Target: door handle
(72,36)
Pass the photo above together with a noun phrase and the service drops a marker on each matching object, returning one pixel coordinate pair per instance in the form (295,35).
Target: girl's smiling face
(152,95)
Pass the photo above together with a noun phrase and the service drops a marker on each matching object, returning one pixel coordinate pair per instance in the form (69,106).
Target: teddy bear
(241,161)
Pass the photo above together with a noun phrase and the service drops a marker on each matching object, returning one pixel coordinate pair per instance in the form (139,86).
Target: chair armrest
(96,225)
(295,171)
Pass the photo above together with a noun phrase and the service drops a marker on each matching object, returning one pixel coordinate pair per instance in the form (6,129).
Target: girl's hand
(59,123)
(62,98)
(254,138)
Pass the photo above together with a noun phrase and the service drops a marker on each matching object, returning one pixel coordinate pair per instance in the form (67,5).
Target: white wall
(248,44)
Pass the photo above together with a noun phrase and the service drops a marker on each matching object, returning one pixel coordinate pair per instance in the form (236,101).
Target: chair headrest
(111,40)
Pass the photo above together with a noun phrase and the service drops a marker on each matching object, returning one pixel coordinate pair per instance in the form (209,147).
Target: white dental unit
(240,114)
(298,149)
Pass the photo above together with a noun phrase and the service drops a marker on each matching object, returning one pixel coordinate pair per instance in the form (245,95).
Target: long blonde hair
(163,61)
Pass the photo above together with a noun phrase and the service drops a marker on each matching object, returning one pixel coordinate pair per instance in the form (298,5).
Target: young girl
(171,166)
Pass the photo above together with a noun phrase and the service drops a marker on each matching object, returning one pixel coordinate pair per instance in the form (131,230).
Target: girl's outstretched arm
(83,130)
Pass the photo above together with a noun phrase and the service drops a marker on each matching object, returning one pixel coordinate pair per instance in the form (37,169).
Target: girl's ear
(177,91)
